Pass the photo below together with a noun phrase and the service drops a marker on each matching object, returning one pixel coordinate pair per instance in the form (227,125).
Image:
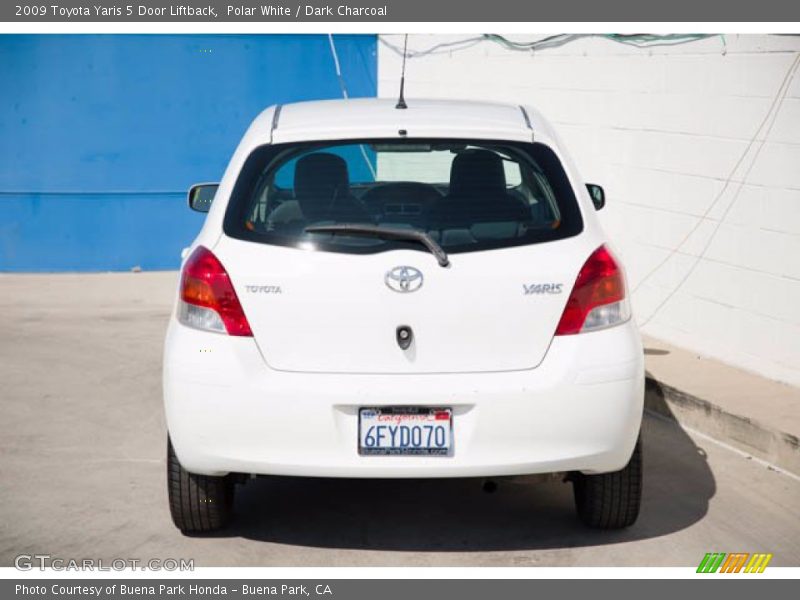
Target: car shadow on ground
(456,515)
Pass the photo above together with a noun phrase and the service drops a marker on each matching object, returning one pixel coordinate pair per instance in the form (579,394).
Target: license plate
(417,431)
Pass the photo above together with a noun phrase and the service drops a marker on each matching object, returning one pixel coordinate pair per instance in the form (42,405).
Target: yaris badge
(404,279)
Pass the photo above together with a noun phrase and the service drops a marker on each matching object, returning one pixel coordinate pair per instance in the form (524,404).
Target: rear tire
(197,503)
(610,500)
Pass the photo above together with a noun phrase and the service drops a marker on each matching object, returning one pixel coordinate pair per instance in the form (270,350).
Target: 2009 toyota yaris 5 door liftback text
(391,293)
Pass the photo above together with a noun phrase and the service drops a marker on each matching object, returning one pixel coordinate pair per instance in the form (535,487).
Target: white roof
(378,117)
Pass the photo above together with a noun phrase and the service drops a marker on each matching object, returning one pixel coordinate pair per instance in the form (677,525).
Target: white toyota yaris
(386,292)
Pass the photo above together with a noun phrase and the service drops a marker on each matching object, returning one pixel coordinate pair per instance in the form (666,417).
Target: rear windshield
(467,195)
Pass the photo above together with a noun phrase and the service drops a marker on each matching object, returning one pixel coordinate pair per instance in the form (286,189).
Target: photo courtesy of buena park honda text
(399,299)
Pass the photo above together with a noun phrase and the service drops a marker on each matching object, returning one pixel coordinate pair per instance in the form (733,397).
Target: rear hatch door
(318,311)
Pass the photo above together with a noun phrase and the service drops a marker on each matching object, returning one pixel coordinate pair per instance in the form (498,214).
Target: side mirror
(597,194)
(201,195)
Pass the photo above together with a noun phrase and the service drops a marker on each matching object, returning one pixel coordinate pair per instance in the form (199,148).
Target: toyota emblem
(404,279)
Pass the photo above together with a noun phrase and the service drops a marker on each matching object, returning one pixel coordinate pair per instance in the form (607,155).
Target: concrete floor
(82,468)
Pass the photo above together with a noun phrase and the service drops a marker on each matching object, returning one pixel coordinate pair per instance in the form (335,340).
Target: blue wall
(100,136)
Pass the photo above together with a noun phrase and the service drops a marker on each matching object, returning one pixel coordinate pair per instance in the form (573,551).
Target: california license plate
(408,430)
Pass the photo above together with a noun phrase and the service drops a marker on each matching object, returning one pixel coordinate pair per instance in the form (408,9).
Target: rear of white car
(402,293)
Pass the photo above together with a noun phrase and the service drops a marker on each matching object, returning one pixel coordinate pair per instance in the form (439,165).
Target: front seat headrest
(477,173)
(319,178)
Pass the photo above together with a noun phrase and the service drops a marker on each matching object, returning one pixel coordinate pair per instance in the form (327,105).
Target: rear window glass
(466,195)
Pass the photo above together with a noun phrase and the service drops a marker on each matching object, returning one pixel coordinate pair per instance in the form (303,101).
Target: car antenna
(401,102)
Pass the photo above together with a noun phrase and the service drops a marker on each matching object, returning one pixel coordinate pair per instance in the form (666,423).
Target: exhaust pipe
(489,486)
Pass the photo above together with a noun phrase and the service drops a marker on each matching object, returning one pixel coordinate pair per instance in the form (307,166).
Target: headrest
(320,174)
(477,173)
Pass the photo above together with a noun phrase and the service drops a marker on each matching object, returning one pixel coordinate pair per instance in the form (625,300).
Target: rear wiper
(388,233)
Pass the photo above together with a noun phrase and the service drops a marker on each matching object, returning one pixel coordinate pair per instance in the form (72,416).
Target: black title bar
(402,10)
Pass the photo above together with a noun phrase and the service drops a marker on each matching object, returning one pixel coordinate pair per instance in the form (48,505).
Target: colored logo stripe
(711,562)
(758,563)
(734,562)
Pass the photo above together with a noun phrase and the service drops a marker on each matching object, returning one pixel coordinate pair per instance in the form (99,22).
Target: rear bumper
(580,410)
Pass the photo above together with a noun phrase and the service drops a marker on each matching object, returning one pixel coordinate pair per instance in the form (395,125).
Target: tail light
(208,300)
(598,299)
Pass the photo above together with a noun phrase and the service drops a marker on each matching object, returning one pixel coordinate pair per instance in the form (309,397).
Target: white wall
(663,129)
